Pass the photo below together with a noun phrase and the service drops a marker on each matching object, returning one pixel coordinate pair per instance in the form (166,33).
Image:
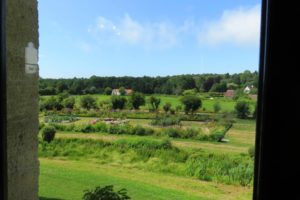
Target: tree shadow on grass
(46,198)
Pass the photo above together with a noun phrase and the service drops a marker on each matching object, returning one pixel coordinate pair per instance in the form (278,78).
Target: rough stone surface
(22,101)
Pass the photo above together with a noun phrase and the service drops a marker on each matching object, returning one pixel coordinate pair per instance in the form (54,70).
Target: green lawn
(66,180)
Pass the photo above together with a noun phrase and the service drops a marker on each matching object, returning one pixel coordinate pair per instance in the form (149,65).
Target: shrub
(154,103)
(166,121)
(137,99)
(217,136)
(105,193)
(107,91)
(88,102)
(167,107)
(101,127)
(119,129)
(139,130)
(48,133)
(191,103)
(172,132)
(69,102)
(190,133)
(251,151)
(217,107)
(242,109)
(52,103)
(118,102)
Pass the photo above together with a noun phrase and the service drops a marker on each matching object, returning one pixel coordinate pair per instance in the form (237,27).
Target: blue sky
(147,37)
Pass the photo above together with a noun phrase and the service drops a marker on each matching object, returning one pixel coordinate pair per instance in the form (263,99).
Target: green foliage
(118,102)
(172,132)
(69,102)
(122,91)
(251,151)
(88,102)
(189,92)
(108,91)
(222,168)
(137,99)
(191,103)
(154,103)
(242,109)
(105,193)
(52,103)
(62,96)
(167,107)
(166,121)
(48,133)
(178,108)
(217,107)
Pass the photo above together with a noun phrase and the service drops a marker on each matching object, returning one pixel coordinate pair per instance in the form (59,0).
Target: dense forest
(150,85)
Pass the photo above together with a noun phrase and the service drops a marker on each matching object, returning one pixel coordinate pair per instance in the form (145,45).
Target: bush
(137,99)
(118,102)
(105,193)
(251,151)
(172,132)
(242,109)
(217,136)
(139,130)
(191,103)
(88,102)
(107,91)
(119,129)
(167,107)
(190,133)
(217,107)
(69,102)
(166,121)
(48,133)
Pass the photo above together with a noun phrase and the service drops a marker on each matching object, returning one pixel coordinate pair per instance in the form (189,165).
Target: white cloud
(133,32)
(240,26)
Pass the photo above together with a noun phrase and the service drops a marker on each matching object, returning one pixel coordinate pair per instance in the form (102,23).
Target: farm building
(117,92)
(229,93)
(248,89)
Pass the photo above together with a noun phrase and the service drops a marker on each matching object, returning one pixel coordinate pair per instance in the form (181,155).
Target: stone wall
(22,101)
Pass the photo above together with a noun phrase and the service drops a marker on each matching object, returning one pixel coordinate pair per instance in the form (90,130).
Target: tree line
(149,85)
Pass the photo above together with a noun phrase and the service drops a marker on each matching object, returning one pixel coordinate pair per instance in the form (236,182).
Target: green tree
(69,102)
(242,109)
(154,103)
(88,102)
(118,102)
(137,99)
(122,91)
(217,107)
(191,103)
(107,91)
(167,107)
(53,103)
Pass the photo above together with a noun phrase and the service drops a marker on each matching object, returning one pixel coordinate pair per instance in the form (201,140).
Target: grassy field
(62,178)
(66,180)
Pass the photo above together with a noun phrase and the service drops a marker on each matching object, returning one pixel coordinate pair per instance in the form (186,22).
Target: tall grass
(156,155)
